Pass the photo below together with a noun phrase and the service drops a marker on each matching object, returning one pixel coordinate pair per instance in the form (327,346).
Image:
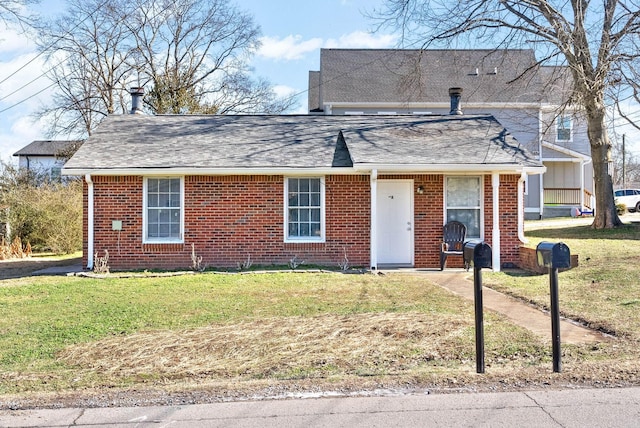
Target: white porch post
(90,221)
(374,234)
(495,244)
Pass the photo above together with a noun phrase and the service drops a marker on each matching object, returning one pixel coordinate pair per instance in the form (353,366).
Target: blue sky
(293,32)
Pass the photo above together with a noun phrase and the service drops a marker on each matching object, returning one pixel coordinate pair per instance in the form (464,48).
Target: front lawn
(220,335)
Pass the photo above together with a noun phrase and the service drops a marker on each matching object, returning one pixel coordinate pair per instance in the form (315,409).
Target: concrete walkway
(460,282)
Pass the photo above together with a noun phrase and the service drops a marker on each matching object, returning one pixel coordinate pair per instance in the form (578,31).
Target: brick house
(314,187)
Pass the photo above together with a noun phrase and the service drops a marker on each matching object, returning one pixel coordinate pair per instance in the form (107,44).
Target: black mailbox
(552,255)
(478,254)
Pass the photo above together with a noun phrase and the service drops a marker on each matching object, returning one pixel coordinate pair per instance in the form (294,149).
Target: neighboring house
(377,189)
(46,156)
(507,84)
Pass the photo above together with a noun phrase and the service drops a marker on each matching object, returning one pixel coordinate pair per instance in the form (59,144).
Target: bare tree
(195,55)
(15,12)
(191,56)
(596,41)
(91,55)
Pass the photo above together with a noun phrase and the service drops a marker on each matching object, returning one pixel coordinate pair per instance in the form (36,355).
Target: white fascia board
(445,168)
(446,105)
(566,151)
(209,171)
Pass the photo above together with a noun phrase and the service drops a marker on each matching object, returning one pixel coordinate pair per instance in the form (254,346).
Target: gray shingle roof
(133,142)
(46,147)
(424,76)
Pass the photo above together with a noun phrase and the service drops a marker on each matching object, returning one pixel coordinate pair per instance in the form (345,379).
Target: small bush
(621,208)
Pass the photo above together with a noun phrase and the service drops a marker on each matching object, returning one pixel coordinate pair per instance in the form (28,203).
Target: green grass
(603,291)
(44,315)
(61,334)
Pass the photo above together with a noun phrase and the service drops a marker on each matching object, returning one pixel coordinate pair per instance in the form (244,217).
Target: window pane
(293,215)
(164,186)
(293,199)
(315,199)
(304,199)
(315,229)
(163,216)
(152,185)
(315,185)
(163,200)
(293,229)
(469,217)
(293,185)
(463,191)
(315,215)
(304,229)
(304,215)
(304,185)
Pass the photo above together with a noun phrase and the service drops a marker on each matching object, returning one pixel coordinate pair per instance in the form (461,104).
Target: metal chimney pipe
(136,100)
(455,94)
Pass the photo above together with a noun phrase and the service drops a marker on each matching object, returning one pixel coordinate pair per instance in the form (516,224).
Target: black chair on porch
(453,234)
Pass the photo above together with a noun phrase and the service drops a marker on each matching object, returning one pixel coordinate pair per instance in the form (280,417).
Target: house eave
(356,170)
(183,171)
(446,168)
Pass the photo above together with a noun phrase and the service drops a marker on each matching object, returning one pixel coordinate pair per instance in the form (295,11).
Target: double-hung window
(463,199)
(563,128)
(304,209)
(163,216)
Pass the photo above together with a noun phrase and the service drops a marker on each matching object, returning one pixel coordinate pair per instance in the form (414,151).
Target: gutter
(521,236)
(90,221)
(359,169)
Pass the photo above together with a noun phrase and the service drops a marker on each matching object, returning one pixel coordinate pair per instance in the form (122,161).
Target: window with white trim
(463,202)
(304,209)
(563,128)
(163,214)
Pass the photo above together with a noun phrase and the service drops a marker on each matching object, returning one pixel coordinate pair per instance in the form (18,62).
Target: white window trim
(444,199)
(559,119)
(145,239)
(285,225)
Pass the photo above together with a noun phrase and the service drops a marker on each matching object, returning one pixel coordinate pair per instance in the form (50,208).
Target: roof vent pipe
(455,94)
(136,100)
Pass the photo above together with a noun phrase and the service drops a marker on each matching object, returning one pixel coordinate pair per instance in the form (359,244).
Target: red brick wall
(229,218)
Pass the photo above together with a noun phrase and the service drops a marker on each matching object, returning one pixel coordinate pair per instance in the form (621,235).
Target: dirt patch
(19,268)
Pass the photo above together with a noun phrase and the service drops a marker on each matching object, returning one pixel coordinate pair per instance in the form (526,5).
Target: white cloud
(12,40)
(289,48)
(23,130)
(293,47)
(362,40)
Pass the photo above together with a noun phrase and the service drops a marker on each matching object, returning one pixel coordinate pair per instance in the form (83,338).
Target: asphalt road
(566,408)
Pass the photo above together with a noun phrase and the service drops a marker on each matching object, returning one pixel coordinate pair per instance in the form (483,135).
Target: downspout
(540,176)
(90,221)
(521,236)
(373,244)
(495,236)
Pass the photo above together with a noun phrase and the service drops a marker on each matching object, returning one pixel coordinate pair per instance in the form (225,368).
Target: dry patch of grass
(292,347)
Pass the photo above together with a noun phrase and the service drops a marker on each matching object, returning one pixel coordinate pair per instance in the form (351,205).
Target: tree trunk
(606,216)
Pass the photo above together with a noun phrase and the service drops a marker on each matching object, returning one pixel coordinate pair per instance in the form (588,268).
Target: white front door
(394,225)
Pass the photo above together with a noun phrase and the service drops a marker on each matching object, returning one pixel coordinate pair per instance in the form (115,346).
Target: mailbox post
(479,255)
(554,257)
